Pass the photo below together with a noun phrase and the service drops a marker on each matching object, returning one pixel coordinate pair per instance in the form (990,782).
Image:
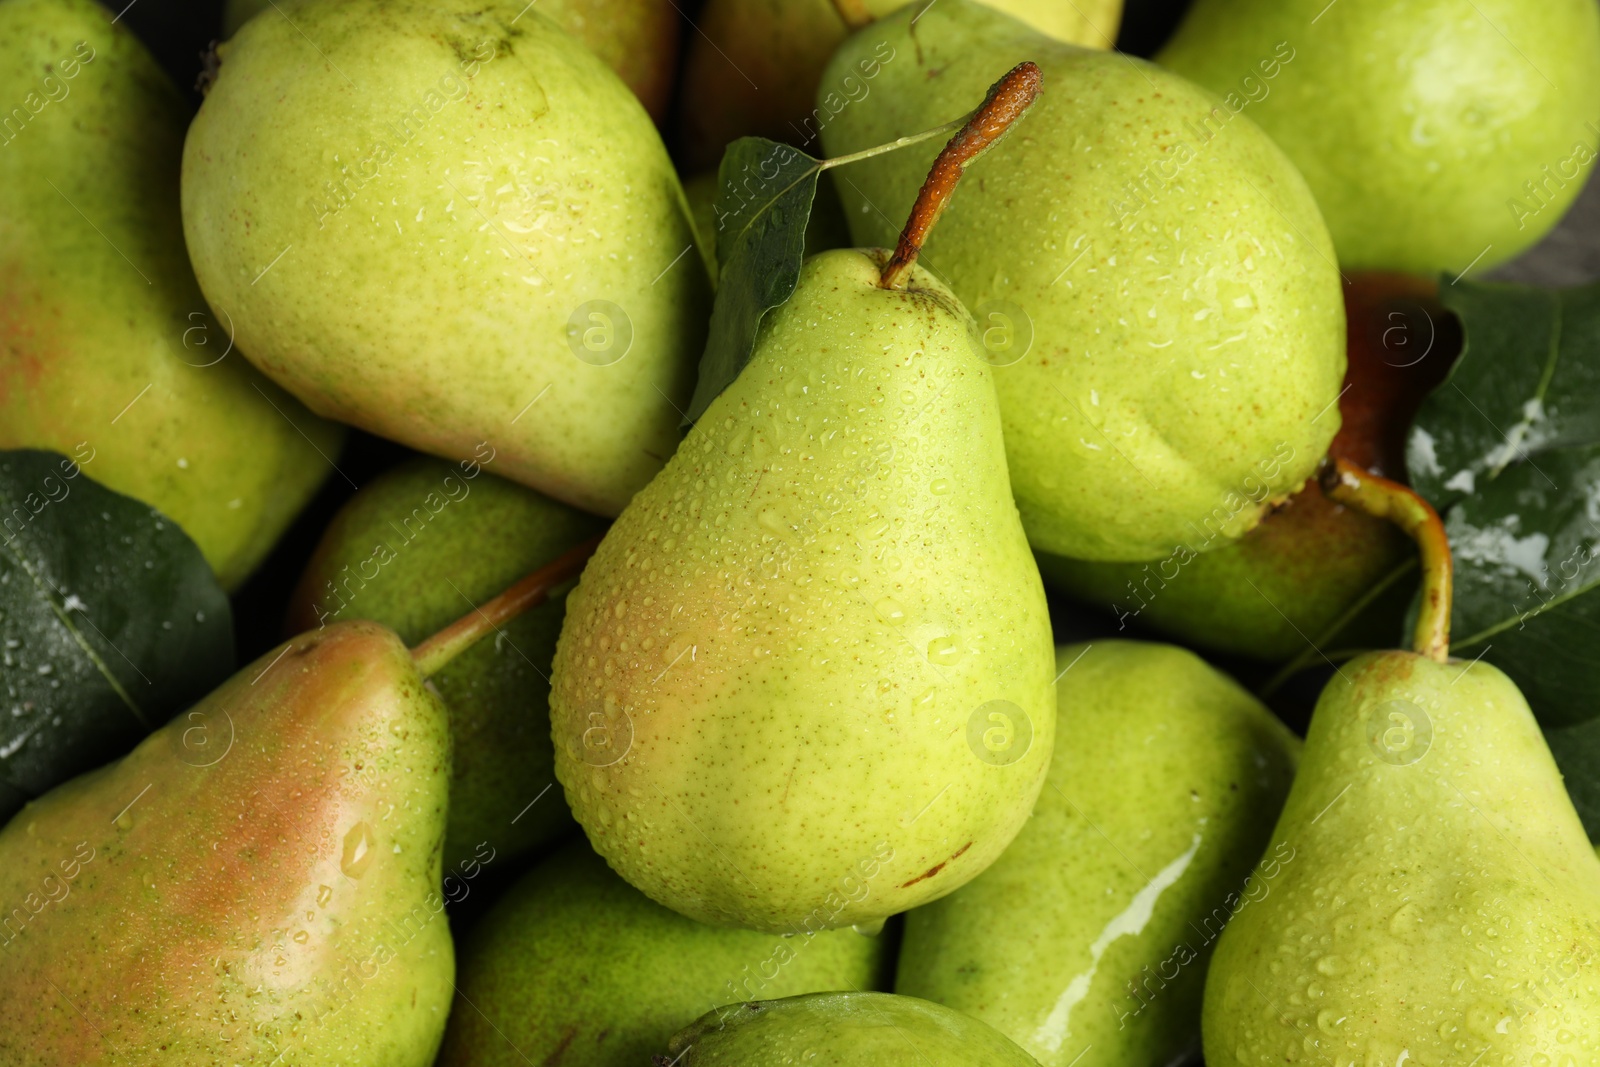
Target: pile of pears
(861,719)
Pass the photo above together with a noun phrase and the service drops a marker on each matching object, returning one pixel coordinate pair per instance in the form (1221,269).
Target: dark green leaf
(110,623)
(1577,753)
(1510,445)
(764,196)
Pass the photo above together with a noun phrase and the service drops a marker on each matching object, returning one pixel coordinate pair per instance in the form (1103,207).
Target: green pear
(1156,287)
(1435,138)
(415,550)
(1443,902)
(575,966)
(637,38)
(826,229)
(806,680)
(1311,571)
(449,224)
(754,67)
(107,349)
(842,1030)
(257,882)
(1086,941)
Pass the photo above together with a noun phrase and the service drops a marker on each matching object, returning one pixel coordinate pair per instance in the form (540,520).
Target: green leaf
(1577,753)
(110,623)
(764,196)
(1508,449)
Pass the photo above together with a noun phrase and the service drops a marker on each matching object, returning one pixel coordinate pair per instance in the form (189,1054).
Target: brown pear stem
(854,13)
(434,653)
(1008,100)
(1348,484)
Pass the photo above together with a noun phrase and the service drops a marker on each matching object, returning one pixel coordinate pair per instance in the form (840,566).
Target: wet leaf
(110,623)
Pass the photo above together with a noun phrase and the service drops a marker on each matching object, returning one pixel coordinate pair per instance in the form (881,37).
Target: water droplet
(358,846)
(869,929)
(940,486)
(301,937)
(1330,965)
(944,652)
(890,610)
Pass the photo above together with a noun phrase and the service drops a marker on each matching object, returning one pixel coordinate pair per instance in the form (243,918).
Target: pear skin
(1087,940)
(805,682)
(636,38)
(1155,285)
(107,347)
(448,225)
(575,966)
(842,1030)
(1299,578)
(1432,142)
(1443,902)
(754,66)
(257,882)
(415,550)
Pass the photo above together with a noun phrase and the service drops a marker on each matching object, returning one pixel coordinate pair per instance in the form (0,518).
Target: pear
(636,38)
(842,1030)
(1433,141)
(257,882)
(1313,570)
(825,229)
(1168,334)
(755,66)
(806,680)
(574,965)
(415,550)
(1086,941)
(106,346)
(1442,902)
(437,217)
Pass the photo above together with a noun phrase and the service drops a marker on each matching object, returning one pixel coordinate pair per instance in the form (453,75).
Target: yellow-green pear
(1435,137)
(1086,942)
(256,883)
(415,550)
(841,1030)
(1156,288)
(754,67)
(806,680)
(574,966)
(1443,906)
(107,348)
(448,223)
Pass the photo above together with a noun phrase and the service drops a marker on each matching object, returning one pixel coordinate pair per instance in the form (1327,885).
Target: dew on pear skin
(358,850)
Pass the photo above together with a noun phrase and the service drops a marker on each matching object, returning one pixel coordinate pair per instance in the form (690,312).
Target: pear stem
(854,13)
(1008,100)
(1381,498)
(433,654)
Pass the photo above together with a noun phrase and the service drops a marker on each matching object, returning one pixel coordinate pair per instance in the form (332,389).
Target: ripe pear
(257,882)
(574,965)
(755,66)
(1302,577)
(636,38)
(842,1030)
(1086,941)
(806,680)
(415,550)
(106,345)
(1155,284)
(440,216)
(1443,903)
(1434,138)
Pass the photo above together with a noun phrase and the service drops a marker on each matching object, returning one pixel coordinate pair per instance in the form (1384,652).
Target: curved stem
(434,653)
(1008,100)
(1348,484)
(854,13)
